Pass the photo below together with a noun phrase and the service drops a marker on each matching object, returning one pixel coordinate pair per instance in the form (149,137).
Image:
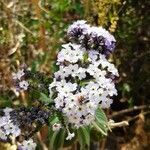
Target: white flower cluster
(23,85)
(82,83)
(27,145)
(7,127)
(71,53)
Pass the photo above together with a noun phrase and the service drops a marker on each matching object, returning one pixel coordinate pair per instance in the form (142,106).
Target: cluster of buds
(25,117)
(96,38)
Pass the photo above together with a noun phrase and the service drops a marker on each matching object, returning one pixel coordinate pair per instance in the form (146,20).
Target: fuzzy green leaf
(56,139)
(101,121)
(43,98)
(53,119)
(84,137)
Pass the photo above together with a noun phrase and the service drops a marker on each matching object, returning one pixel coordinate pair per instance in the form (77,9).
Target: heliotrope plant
(71,103)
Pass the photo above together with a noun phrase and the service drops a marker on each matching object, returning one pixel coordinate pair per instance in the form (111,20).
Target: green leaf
(34,94)
(100,115)
(84,137)
(126,87)
(85,58)
(95,136)
(5,102)
(52,140)
(101,122)
(44,98)
(54,119)
(56,139)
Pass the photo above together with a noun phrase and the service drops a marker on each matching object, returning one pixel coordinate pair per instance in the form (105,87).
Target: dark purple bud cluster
(24,117)
(92,38)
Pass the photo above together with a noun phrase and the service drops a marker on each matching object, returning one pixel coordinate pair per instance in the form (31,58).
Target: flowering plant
(71,103)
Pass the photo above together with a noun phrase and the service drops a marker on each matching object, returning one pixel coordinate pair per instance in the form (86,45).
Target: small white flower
(92,87)
(89,118)
(18,75)
(81,73)
(64,88)
(59,101)
(70,136)
(16,132)
(4,120)
(106,103)
(71,53)
(100,74)
(23,85)
(113,70)
(93,55)
(73,69)
(69,109)
(62,72)
(9,128)
(56,127)
(92,70)
(28,145)
(7,110)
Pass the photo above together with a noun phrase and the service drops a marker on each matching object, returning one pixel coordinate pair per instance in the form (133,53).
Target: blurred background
(32,31)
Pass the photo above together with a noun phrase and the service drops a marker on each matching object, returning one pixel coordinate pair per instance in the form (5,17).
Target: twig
(112,124)
(102,144)
(122,112)
(33,132)
(137,116)
(23,98)
(16,21)
(10,23)
(87,7)
(22,26)
(41,7)
(44,147)
(42,39)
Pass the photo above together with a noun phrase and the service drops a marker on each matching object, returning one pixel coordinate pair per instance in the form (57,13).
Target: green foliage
(83,134)
(84,137)
(101,122)
(43,98)
(5,102)
(56,139)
